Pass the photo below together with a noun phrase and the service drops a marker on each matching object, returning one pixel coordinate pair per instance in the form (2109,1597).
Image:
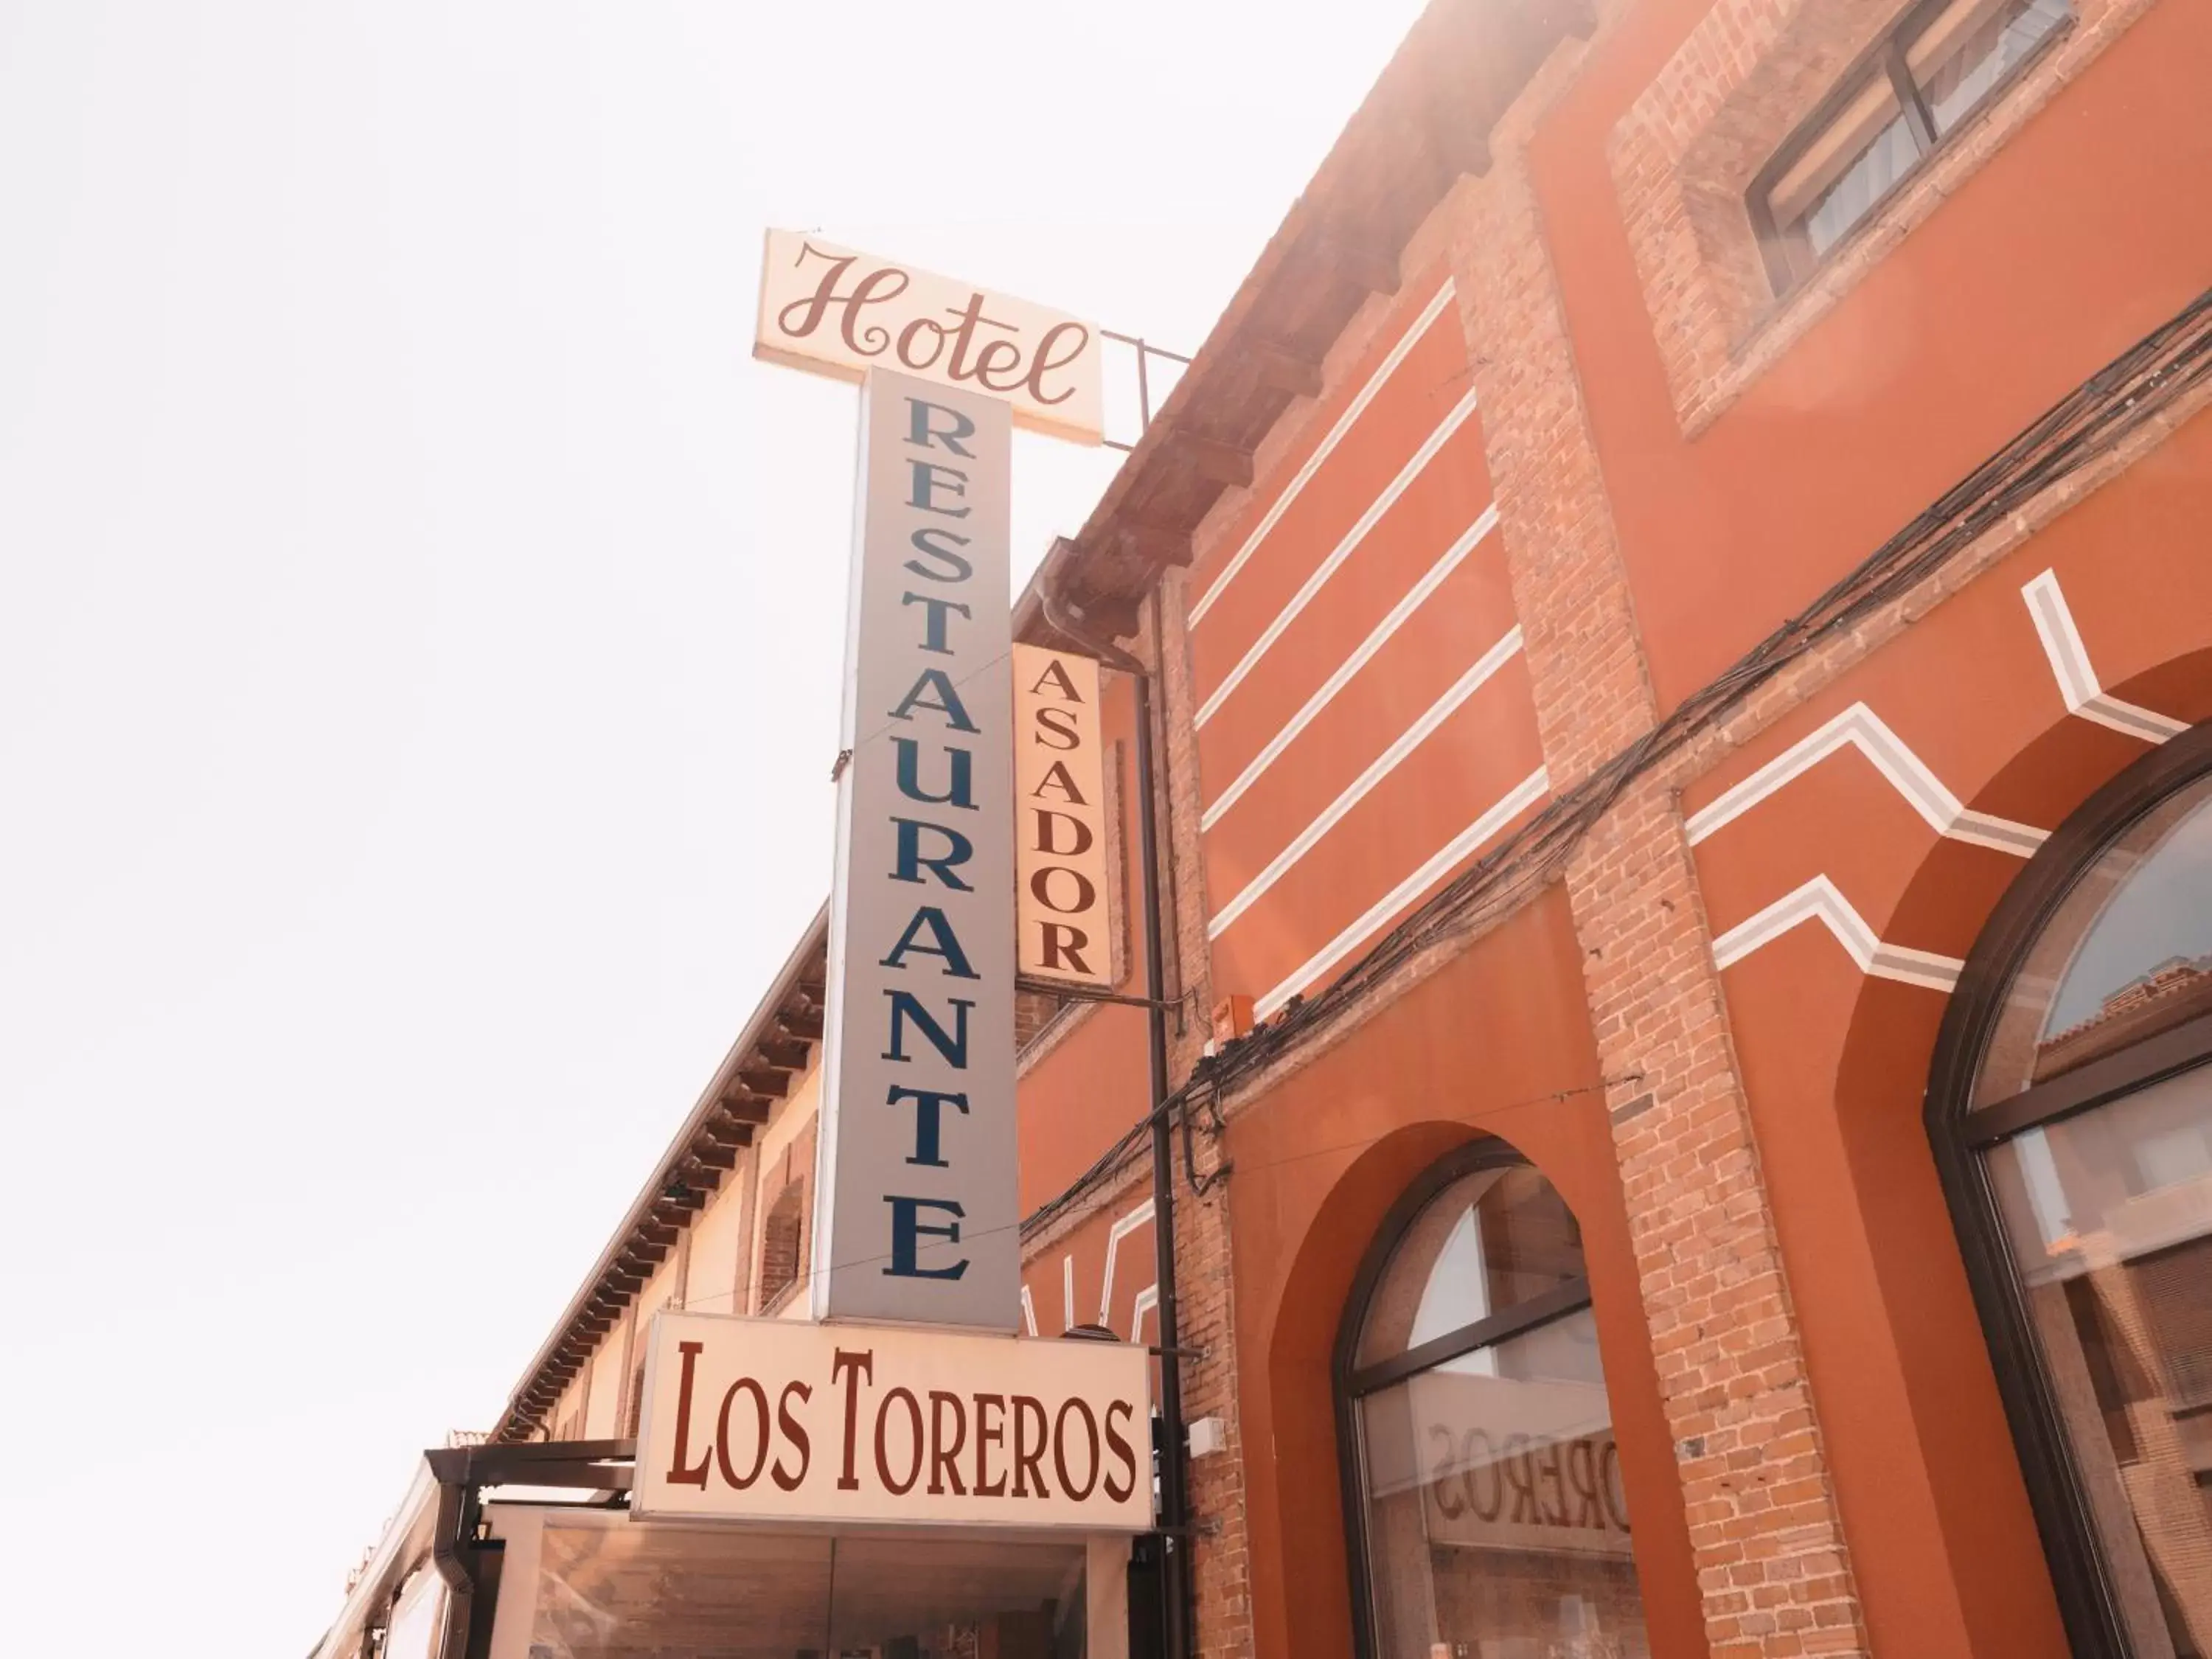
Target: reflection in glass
(2107,1211)
(1490,1241)
(2110,1218)
(1496,1521)
(608,1588)
(1920,86)
(1868,177)
(1972,60)
(2127,955)
(1495,1514)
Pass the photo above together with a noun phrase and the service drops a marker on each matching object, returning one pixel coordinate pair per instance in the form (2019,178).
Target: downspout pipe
(1175,1504)
(448,1539)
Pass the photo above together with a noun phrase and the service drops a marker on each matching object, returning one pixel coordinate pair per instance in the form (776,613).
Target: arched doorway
(2070,1109)
(1484,1505)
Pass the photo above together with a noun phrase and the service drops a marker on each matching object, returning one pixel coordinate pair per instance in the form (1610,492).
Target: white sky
(418,679)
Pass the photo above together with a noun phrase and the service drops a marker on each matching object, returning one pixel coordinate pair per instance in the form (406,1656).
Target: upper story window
(1944,61)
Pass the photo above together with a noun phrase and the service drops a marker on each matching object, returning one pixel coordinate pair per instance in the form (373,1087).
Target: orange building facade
(1696,622)
(1678,605)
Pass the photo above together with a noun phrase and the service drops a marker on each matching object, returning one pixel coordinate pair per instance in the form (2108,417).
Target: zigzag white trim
(1343,550)
(1859,727)
(2078,677)
(1377,769)
(1147,1299)
(1378,916)
(1416,596)
(1120,1229)
(1817,899)
(1352,412)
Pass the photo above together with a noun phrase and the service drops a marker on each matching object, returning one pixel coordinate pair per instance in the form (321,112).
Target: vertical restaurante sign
(782,1420)
(836,311)
(916,1214)
(1060,825)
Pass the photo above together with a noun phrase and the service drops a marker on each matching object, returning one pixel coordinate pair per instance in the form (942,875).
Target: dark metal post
(1174,1502)
(1174,1506)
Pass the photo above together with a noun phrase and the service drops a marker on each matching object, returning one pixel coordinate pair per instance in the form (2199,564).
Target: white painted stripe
(1377,769)
(1378,915)
(1819,900)
(2132,719)
(1147,1299)
(2078,677)
(2062,639)
(1343,550)
(1067,1291)
(1921,967)
(1121,1229)
(1859,727)
(1352,412)
(1453,556)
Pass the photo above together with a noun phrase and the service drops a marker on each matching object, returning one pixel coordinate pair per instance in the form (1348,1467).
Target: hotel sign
(782,1420)
(1060,829)
(915,1210)
(831,310)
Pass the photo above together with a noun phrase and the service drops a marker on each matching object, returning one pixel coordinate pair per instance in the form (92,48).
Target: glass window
(2095,1088)
(2128,954)
(1918,87)
(1962,58)
(1498,1238)
(1492,1519)
(782,1243)
(606,1589)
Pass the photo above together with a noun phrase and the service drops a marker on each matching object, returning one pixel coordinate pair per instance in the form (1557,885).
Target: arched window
(1483,1492)
(2071,1112)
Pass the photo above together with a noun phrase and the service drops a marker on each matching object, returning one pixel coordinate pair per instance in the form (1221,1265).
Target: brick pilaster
(1773,1569)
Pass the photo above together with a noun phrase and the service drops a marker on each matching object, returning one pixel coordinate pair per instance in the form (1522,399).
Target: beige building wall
(792,1118)
(720,1258)
(571,1404)
(659,1292)
(710,1271)
(720,1242)
(603,1418)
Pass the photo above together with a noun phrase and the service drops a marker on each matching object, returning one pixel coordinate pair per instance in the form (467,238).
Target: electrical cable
(2089,423)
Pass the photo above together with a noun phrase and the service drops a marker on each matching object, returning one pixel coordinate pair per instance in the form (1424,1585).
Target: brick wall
(1685,155)
(1772,1565)
(1774,1571)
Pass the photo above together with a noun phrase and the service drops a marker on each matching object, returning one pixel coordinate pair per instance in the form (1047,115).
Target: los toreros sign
(790,1421)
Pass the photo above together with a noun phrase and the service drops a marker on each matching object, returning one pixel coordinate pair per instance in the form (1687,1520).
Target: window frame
(1788,256)
(774,1216)
(1960,1139)
(1351,1382)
